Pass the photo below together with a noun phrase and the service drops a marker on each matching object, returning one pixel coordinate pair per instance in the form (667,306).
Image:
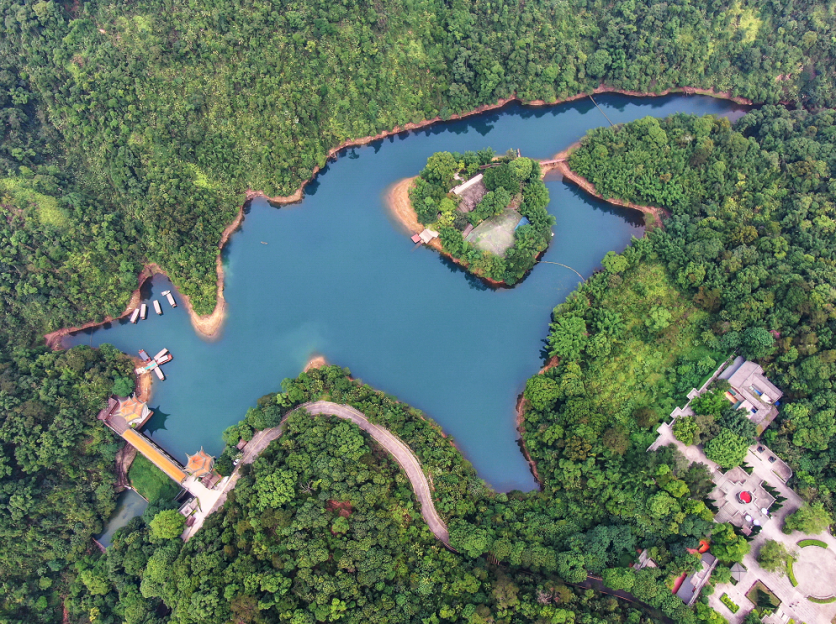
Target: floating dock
(163,356)
(157,307)
(143,311)
(135,315)
(154,364)
(170,297)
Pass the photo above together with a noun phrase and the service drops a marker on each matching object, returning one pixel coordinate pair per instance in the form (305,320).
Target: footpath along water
(337,277)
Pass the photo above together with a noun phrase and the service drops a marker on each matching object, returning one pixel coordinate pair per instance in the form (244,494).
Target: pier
(153,364)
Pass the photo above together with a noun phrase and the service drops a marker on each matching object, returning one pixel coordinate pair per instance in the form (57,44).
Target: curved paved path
(393,445)
(400,451)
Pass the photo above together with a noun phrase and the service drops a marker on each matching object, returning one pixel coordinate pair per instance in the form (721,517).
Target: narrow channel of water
(129,505)
(336,277)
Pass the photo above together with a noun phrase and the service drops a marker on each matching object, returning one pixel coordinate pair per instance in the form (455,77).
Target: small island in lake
(488,212)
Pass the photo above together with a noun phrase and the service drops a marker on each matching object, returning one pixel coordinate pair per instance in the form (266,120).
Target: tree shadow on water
(474,282)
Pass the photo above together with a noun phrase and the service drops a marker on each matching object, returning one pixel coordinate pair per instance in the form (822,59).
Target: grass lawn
(633,375)
(790,573)
(762,597)
(150,481)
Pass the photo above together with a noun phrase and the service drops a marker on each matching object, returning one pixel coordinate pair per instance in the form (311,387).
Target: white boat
(157,307)
(135,315)
(143,311)
(159,373)
(170,298)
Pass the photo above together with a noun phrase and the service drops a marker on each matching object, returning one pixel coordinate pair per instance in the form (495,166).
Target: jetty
(157,307)
(167,294)
(153,364)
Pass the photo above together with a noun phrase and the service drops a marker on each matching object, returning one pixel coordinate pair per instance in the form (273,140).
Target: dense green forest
(130,132)
(512,184)
(56,471)
(136,127)
(751,243)
(325,527)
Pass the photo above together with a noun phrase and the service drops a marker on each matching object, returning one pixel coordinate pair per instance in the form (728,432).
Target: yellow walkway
(153,454)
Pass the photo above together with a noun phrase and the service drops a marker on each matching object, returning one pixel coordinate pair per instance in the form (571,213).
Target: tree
(542,392)
(727,449)
(774,556)
(658,318)
(619,578)
(598,63)
(684,429)
(757,343)
(616,439)
(469,539)
(123,386)
(614,263)
(710,403)
(568,337)
(167,524)
(728,546)
(646,417)
(276,489)
(810,518)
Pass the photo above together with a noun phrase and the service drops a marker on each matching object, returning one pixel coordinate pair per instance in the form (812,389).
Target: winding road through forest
(390,442)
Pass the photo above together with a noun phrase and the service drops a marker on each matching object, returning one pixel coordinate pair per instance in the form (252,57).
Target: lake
(337,277)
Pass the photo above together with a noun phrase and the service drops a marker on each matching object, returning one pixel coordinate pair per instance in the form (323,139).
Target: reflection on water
(337,278)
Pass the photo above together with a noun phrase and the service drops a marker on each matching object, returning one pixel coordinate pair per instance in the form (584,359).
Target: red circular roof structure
(745,497)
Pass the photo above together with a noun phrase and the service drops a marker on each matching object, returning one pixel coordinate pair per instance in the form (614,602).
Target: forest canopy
(130,133)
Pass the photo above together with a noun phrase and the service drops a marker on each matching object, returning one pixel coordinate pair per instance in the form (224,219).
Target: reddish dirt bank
(209,325)
(299,193)
(656,212)
(521,405)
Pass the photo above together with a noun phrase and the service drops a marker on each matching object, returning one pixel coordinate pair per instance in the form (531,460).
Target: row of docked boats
(141,313)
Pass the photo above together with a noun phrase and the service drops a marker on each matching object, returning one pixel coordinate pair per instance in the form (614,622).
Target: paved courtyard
(815,571)
(794,603)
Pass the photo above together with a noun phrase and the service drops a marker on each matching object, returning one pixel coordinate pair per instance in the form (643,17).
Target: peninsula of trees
(490,212)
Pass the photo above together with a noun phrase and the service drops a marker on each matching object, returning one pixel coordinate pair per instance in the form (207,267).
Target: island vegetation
(489,212)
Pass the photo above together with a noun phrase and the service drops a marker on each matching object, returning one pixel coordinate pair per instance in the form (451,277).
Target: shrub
(728,602)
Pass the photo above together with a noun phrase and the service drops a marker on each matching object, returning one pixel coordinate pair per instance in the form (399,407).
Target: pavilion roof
(200,463)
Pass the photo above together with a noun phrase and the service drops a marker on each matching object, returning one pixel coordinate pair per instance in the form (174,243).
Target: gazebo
(200,464)
(738,572)
(134,411)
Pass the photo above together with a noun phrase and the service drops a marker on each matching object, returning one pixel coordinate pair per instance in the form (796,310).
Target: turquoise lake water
(338,277)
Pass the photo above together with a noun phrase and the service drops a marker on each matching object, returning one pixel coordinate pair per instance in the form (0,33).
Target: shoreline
(315,361)
(520,423)
(208,326)
(654,211)
(400,208)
